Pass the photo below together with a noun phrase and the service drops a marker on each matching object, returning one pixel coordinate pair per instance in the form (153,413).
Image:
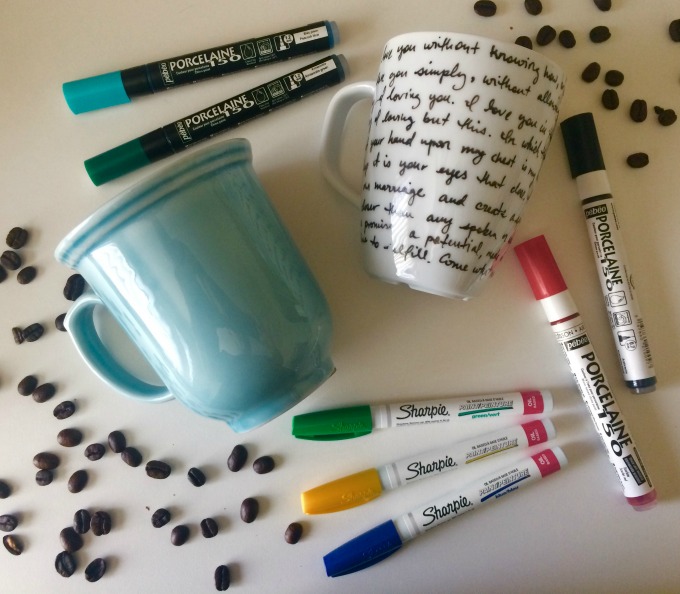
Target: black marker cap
(583,147)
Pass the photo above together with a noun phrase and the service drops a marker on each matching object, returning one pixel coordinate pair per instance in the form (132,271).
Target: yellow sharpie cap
(345,493)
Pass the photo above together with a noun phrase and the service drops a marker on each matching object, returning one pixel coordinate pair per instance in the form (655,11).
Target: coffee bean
(44,392)
(65,564)
(46,461)
(13,544)
(237,458)
(75,284)
(610,99)
(131,457)
(33,332)
(249,509)
(100,523)
(524,41)
(69,438)
(26,275)
(196,477)
(8,522)
(667,117)
(27,385)
(59,322)
(179,535)
(43,477)
(600,34)
(70,540)
(638,160)
(117,441)
(17,237)
(77,481)
(160,517)
(95,570)
(293,533)
(638,110)
(545,35)
(81,521)
(10,260)
(94,451)
(567,39)
(222,578)
(18,334)
(263,464)
(674,30)
(5,490)
(157,469)
(64,410)
(209,528)
(603,5)
(3,274)
(533,7)
(485,8)
(613,78)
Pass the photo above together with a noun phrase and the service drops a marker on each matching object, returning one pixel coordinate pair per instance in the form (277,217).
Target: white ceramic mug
(458,131)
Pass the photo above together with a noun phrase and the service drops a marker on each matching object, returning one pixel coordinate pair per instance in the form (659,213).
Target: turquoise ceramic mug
(197,268)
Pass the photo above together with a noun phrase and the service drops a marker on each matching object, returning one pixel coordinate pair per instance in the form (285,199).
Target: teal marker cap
(116,162)
(334,424)
(96,92)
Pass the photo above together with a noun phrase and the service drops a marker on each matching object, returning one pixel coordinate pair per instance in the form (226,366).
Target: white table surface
(573,532)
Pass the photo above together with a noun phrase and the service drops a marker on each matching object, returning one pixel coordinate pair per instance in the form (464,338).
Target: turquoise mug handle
(80,324)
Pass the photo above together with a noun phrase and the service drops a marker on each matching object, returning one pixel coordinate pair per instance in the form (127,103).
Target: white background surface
(573,532)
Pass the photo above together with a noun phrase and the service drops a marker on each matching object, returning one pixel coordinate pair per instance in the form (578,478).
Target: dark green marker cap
(334,424)
(583,146)
(116,162)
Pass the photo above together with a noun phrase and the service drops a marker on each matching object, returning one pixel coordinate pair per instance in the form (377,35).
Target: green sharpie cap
(116,162)
(334,424)
(96,92)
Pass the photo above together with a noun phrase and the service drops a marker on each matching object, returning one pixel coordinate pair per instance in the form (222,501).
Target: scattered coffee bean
(264,464)
(95,570)
(179,535)
(546,34)
(77,481)
(603,5)
(100,523)
(610,99)
(674,30)
(567,39)
(600,34)
(3,274)
(638,160)
(8,522)
(65,564)
(33,332)
(95,451)
(485,8)
(59,322)
(117,442)
(533,7)
(17,237)
(26,275)
(70,540)
(18,334)
(293,533)
(27,385)
(10,260)
(209,528)
(613,78)
(667,117)
(69,438)
(131,456)
(75,284)
(13,544)
(81,521)
(249,509)
(160,517)
(5,490)
(44,392)
(524,41)
(43,477)
(196,477)
(157,469)
(46,461)
(638,110)
(64,410)
(237,458)
(222,578)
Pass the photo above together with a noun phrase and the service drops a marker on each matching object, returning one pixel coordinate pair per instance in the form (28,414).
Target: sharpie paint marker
(382,541)
(550,289)
(192,129)
(616,278)
(362,487)
(114,88)
(355,421)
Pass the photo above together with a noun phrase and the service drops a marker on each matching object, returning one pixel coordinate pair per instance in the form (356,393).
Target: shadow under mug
(197,268)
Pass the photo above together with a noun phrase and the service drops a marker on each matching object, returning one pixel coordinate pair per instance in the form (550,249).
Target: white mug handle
(331,135)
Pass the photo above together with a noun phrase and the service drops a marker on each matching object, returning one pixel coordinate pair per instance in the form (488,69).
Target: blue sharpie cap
(96,92)
(363,551)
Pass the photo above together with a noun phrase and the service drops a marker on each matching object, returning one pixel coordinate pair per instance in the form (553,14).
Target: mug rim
(81,239)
